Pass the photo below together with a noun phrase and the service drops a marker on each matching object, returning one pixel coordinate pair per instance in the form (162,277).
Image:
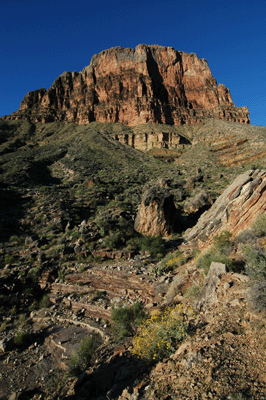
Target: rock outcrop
(156,213)
(235,210)
(208,294)
(148,141)
(149,84)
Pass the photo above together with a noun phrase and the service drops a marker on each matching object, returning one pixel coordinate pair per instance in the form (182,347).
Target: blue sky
(40,39)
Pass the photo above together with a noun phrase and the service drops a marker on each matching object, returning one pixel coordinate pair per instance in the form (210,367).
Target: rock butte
(151,84)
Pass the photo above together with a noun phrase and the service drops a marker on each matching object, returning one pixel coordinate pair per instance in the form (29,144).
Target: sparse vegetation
(169,263)
(126,319)
(259,225)
(21,338)
(85,354)
(159,335)
(70,190)
(219,252)
(45,302)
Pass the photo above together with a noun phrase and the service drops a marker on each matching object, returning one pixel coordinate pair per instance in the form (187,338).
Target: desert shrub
(219,252)
(126,319)
(13,310)
(22,319)
(114,241)
(104,226)
(222,242)
(153,244)
(159,334)
(3,326)
(169,263)
(259,225)
(61,274)
(21,338)
(9,258)
(85,354)
(194,290)
(34,274)
(45,302)
(34,305)
(98,294)
(255,267)
(246,236)
(237,396)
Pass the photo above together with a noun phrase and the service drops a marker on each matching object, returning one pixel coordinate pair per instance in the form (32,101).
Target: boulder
(197,203)
(157,213)
(208,294)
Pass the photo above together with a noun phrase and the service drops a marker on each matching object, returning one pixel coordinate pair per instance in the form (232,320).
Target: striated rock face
(151,140)
(235,210)
(151,84)
(156,214)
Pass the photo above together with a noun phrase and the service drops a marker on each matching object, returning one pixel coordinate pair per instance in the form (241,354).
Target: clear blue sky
(40,39)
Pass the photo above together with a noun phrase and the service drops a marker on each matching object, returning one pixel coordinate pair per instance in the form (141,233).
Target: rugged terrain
(149,84)
(70,198)
(132,196)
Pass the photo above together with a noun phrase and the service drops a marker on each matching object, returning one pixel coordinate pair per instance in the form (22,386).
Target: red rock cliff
(152,84)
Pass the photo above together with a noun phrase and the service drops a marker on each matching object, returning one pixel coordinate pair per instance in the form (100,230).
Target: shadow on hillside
(11,211)
(111,378)
(40,174)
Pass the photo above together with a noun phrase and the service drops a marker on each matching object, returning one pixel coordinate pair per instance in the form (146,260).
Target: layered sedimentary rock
(235,210)
(149,84)
(148,141)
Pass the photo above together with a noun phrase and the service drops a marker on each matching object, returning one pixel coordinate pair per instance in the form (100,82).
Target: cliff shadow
(160,92)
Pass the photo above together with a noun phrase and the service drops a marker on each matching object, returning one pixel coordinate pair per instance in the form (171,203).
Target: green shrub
(152,244)
(45,302)
(159,335)
(219,252)
(21,338)
(13,310)
(255,268)
(3,326)
(193,291)
(9,259)
(126,319)
(34,274)
(61,274)
(259,225)
(237,396)
(34,305)
(85,354)
(114,241)
(22,319)
(246,236)
(6,272)
(222,242)
(204,261)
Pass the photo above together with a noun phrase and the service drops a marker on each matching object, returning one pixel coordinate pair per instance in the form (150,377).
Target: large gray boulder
(208,294)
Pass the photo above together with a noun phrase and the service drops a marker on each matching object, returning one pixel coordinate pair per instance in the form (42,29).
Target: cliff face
(151,84)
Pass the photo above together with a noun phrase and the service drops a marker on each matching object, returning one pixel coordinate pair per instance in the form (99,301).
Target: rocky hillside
(151,84)
(83,261)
